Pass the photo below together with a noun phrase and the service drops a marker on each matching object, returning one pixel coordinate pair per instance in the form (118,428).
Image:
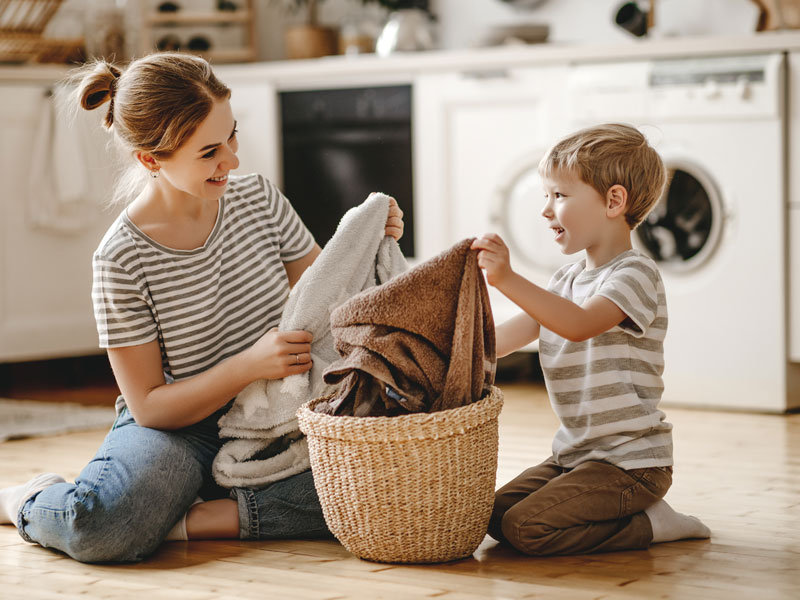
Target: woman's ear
(148,160)
(616,201)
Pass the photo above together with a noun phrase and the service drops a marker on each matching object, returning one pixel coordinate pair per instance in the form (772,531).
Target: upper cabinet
(222,31)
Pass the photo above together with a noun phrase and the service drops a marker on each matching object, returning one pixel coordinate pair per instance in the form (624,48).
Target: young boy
(601,325)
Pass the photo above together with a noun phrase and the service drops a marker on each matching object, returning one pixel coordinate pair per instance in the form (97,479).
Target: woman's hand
(154,403)
(493,258)
(394,222)
(278,354)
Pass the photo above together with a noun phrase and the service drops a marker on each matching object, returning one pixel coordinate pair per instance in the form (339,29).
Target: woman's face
(201,165)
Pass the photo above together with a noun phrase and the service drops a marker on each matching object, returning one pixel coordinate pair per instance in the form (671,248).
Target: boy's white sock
(178,532)
(12,498)
(669,525)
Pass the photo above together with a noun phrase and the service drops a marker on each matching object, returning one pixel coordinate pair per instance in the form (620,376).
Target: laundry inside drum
(682,230)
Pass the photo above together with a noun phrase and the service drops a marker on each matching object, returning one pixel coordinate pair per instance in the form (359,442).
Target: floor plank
(739,472)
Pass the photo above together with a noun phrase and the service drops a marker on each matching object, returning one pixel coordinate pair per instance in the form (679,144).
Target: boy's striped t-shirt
(206,304)
(606,390)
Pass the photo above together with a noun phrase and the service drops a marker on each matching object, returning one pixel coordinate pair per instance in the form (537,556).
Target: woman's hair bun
(98,85)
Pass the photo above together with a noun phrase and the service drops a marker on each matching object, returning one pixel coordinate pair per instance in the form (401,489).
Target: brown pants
(594,507)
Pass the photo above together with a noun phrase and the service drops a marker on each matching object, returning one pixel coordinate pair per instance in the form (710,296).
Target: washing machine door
(683,230)
(517,213)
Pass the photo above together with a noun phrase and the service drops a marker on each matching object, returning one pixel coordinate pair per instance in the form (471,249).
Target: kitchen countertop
(289,74)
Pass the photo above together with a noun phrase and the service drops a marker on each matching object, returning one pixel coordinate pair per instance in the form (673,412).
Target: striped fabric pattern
(206,304)
(606,390)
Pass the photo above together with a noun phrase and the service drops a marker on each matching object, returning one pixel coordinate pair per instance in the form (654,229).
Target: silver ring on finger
(297,359)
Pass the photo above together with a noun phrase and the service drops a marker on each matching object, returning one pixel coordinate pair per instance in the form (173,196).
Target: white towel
(262,421)
(61,193)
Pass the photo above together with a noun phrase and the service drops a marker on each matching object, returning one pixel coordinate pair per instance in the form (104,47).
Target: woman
(189,285)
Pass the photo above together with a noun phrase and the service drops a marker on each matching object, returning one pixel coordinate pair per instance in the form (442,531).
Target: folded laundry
(264,444)
(423,342)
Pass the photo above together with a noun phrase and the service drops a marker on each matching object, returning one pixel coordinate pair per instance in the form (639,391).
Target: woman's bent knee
(124,502)
(110,515)
(91,530)
(121,551)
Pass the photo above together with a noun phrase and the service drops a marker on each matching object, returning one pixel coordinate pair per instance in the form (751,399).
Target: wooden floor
(739,472)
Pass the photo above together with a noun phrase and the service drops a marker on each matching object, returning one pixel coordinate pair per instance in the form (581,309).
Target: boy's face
(574,210)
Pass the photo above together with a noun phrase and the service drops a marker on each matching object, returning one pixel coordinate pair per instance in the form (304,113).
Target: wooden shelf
(233,55)
(180,23)
(213,18)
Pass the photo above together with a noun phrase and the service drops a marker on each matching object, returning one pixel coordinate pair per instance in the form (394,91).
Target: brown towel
(422,342)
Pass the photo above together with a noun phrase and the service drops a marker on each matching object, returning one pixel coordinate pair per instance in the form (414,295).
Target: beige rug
(26,418)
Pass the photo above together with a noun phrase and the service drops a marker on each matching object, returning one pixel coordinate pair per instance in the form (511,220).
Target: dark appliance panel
(339,145)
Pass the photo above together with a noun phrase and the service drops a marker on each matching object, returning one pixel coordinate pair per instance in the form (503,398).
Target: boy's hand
(394,222)
(493,258)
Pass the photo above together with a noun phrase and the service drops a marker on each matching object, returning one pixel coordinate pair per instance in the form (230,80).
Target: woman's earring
(155,173)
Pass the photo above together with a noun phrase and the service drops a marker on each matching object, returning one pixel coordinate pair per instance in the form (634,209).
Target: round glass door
(683,230)
(518,212)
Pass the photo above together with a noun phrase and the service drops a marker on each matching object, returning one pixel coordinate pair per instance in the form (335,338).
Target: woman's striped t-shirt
(606,390)
(207,304)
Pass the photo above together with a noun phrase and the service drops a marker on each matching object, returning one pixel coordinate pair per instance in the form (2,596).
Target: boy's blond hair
(607,155)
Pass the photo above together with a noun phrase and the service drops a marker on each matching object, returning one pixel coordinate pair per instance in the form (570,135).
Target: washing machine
(719,232)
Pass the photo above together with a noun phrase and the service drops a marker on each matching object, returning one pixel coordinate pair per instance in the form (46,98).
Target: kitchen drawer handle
(486,74)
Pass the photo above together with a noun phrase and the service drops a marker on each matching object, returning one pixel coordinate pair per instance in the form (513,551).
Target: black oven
(341,144)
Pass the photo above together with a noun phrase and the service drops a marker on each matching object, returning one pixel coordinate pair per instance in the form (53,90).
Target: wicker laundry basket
(415,488)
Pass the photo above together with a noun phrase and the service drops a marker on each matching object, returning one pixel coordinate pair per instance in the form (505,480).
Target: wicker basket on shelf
(21,25)
(416,488)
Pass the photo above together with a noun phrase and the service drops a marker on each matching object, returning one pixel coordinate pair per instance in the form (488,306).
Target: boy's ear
(616,201)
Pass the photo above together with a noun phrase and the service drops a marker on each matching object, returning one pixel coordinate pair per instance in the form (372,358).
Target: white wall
(575,21)
(467,23)
(591,21)
(461,23)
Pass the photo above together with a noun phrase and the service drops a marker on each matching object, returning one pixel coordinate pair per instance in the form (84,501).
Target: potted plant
(308,39)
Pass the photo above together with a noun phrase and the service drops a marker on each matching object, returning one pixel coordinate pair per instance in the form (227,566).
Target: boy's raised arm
(569,320)
(515,333)
(564,317)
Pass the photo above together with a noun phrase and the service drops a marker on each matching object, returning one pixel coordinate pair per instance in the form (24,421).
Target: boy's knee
(530,537)
(495,528)
(503,502)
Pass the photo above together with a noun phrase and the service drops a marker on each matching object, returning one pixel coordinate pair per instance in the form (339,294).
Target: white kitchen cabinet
(794,283)
(473,131)
(470,130)
(46,243)
(794,213)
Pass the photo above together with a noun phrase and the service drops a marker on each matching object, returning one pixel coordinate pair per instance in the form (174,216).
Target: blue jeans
(141,481)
